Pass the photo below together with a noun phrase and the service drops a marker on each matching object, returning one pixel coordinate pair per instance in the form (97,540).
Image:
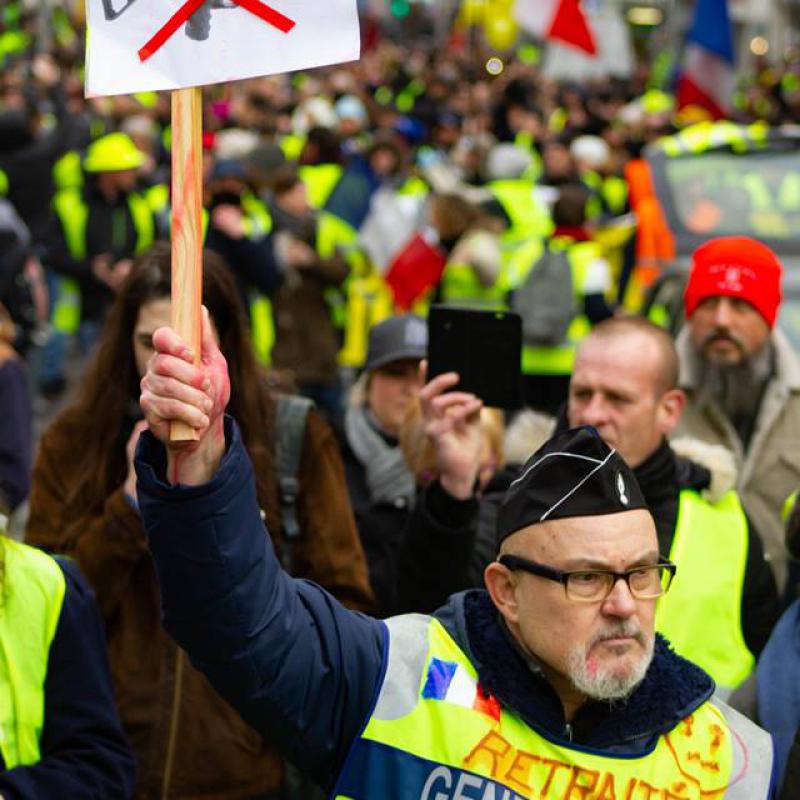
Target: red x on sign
(262,10)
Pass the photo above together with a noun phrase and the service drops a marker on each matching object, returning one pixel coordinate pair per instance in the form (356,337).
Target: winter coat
(295,663)
(189,743)
(769,471)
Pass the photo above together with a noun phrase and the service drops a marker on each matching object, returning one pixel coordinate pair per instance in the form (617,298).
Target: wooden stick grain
(187,244)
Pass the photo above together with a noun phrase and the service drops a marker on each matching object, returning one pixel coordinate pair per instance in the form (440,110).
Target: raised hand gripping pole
(187,240)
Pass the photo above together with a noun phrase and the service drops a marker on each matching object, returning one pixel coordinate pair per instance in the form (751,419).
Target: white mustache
(619,630)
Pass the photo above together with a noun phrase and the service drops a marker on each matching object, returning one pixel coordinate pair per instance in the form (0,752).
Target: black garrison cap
(575,474)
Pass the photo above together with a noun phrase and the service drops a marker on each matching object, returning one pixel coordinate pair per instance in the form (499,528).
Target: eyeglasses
(594,585)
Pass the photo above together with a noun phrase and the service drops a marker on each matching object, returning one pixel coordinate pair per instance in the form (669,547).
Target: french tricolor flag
(708,78)
(557,20)
(451,683)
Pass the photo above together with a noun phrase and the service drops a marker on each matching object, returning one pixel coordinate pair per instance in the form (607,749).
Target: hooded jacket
(305,671)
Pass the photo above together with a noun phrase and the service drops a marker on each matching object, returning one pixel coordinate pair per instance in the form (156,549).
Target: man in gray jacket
(742,378)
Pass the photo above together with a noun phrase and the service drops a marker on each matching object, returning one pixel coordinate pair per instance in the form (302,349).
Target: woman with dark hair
(189,743)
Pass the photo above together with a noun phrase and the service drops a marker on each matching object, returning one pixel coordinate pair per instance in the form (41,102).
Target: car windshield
(719,194)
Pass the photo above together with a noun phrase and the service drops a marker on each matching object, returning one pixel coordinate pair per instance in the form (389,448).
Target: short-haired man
(551,684)
(723,606)
(742,378)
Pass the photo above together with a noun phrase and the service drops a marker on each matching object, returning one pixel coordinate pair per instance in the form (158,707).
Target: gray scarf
(388,478)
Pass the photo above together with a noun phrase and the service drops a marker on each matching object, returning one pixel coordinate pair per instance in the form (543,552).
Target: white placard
(237,44)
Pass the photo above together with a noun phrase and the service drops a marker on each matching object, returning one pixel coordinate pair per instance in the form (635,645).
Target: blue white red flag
(707,78)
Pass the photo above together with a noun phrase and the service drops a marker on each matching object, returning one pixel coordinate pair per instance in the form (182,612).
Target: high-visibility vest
(369,301)
(528,217)
(73,213)
(701,615)
(434,734)
(320,180)
(560,359)
(68,172)
(30,614)
(257,222)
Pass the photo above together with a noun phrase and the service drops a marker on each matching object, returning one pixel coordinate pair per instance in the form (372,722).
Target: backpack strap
(290,424)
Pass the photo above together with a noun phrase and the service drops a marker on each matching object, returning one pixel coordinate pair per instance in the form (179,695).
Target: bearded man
(742,378)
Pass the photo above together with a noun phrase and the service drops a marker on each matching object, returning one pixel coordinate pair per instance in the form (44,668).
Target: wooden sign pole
(187,235)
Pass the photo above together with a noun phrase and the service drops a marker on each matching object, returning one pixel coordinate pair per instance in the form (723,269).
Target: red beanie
(736,266)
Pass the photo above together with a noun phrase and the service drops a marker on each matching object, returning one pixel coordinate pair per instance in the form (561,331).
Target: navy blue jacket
(84,751)
(304,671)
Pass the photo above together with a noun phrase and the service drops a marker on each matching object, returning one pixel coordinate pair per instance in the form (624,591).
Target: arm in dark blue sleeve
(300,668)
(84,751)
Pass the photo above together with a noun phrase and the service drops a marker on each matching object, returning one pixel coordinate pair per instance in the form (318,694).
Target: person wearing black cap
(381,486)
(551,684)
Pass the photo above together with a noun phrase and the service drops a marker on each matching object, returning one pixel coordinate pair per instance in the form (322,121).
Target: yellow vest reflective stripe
(30,614)
(320,181)
(560,359)
(702,613)
(434,735)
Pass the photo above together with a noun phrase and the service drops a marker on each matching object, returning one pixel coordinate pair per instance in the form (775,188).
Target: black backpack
(290,425)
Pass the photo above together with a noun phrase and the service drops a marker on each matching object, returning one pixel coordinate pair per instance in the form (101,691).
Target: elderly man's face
(601,649)
(727,330)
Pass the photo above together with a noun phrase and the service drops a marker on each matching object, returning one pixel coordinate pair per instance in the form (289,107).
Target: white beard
(607,683)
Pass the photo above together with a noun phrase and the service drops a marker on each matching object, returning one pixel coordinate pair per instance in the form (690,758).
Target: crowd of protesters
(339,205)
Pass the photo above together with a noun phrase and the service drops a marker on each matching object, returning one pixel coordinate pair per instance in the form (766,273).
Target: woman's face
(391,390)
(152,315)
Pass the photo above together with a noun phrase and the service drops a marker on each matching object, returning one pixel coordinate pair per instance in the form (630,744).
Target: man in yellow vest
(61,736)
(95,232)
(724,602)
(551,684)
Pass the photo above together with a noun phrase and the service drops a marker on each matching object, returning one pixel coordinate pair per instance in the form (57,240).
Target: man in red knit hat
(742,377)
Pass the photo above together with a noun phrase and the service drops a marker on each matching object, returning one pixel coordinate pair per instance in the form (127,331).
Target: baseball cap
(395,339)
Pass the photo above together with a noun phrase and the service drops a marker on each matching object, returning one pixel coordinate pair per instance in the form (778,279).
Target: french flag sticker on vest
(451,683)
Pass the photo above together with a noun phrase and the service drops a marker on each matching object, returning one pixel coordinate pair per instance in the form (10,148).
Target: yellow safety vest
(73,213)
(68,172)
(28,620)
(560,359)
(435,735)
(529,218)
(702,613)
(320,181)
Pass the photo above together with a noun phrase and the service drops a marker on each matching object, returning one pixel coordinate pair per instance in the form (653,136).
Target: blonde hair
(419,451)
